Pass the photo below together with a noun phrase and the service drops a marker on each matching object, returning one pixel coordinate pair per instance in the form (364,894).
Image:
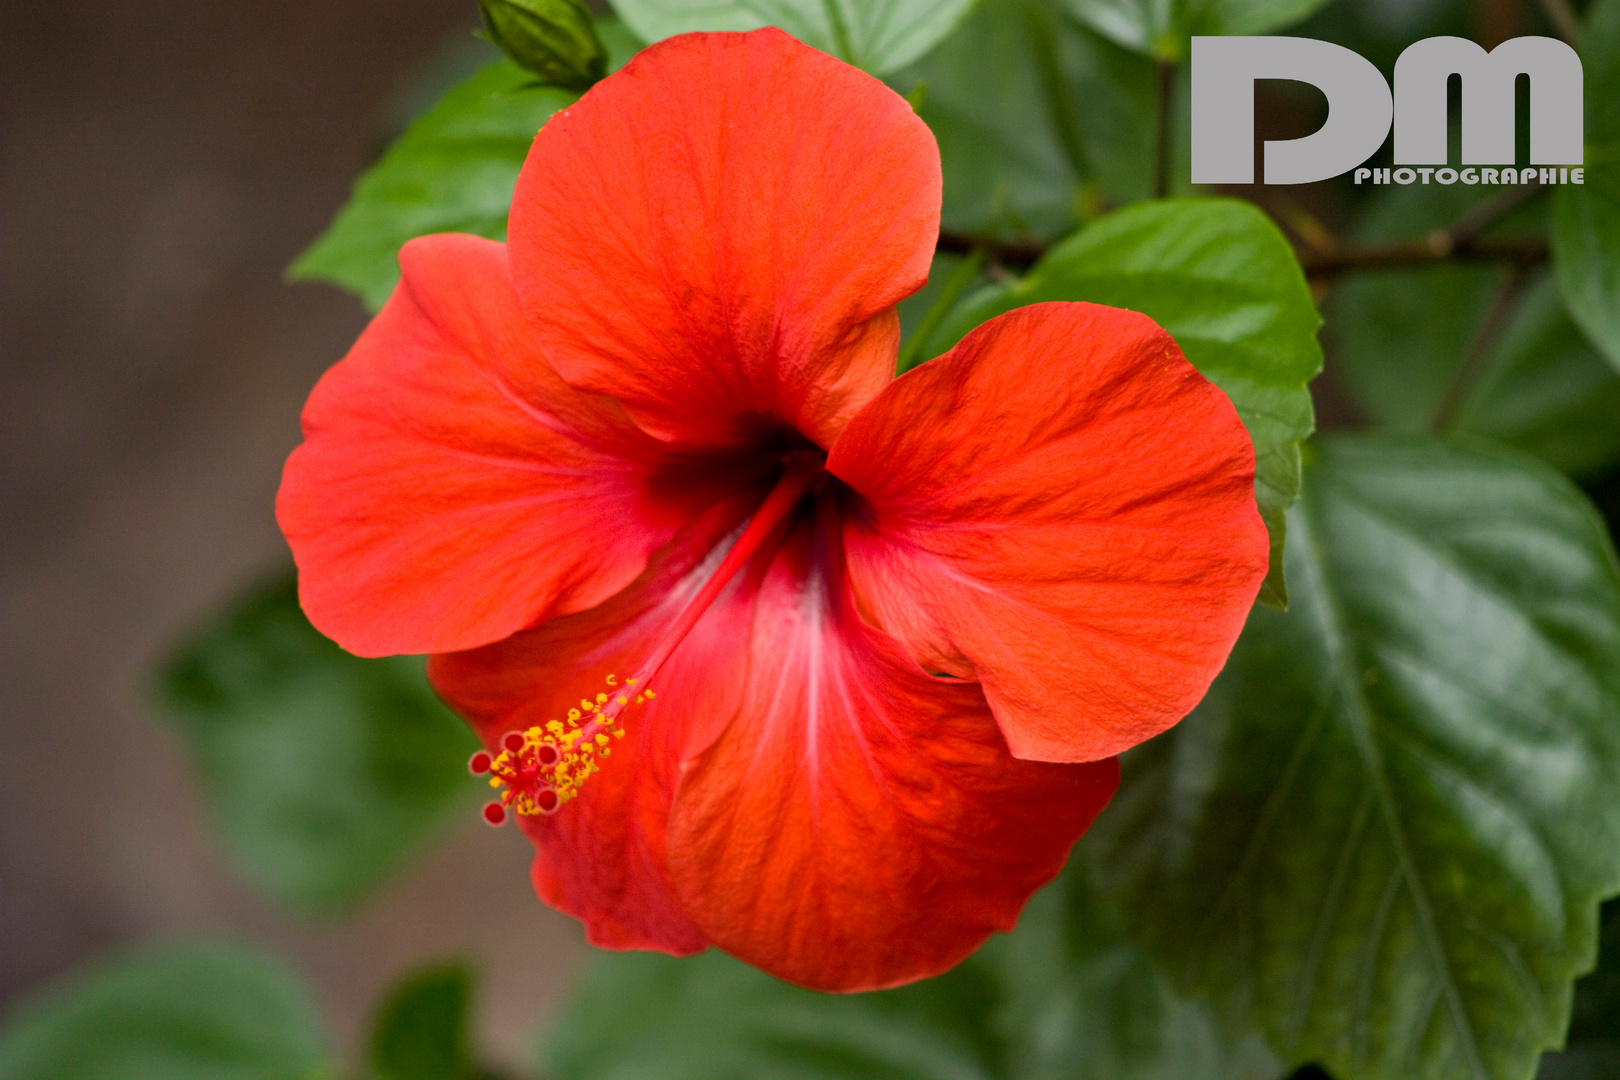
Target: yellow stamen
(552,762)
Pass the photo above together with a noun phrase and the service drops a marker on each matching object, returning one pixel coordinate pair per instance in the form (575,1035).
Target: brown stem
(1462,240)
(1161,132)
(1019,253)
(1563,20)
(1497,20)
(1479,352)
(1520,253)
(1468,227)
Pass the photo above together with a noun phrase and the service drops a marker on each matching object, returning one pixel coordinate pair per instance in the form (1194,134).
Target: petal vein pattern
(716,258)
(601,859)
(860,824)
(452,489)
(1061,508)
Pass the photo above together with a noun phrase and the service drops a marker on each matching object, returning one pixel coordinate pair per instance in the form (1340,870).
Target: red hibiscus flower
(772,650)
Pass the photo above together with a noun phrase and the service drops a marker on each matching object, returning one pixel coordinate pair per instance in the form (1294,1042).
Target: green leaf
(1593,1049)
(421,1030)
(1163,28)
(178,1012)
(1586,217)
(1545,390)
(322,772)
(877,35)
(1399,339)
(1384,833)
(950,277)
(1011,166)
(1064,997)
(1078,1001)
(622,42)
(452,171)
(1218,275)
(1036,117)
(709,1017)
(1397,335)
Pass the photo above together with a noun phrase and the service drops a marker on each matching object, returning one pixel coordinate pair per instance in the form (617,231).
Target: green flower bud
(555,39)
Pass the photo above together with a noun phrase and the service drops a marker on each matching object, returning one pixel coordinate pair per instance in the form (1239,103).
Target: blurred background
(161,162)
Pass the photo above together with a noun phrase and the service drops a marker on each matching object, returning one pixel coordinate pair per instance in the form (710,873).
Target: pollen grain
(537,770)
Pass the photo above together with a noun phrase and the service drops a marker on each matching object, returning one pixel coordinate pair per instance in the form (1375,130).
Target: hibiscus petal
(716,236)
(451,488)
(860,824)
(1063,509)
(600,858)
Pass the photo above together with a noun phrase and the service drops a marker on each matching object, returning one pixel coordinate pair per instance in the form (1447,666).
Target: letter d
(1360,109)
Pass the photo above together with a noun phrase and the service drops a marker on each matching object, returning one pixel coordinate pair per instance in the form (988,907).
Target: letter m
(1488,106)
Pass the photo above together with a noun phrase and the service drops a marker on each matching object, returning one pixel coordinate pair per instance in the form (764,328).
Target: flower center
(538,770)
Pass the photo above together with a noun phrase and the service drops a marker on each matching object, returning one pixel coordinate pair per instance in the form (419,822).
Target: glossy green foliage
(1539,386)
(1593,1050)
(1163,28)
(1384,834)
(1084,130)
(322,772)
(183,1012)
(710,1017)
(1064,996)
(922,313)
(554,39)
(1078,1000)
(1403,345)
(452,171)
(421,1030)
(876,35)
(1221,278)
(1586,224)
(1544,389)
